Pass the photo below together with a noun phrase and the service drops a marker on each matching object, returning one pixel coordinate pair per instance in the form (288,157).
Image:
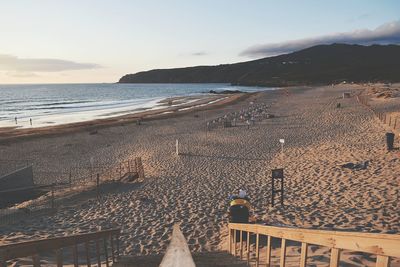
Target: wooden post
(303,257)
(241,244)
(229,240)
(52,197)
(390,120)
(106,252)
(283,253)
(282,190)
(98,186)
(87,249)
(70,179)
(177,147)
(395,122)
(98,253)
(268,256)
(385,119)
(257,249)
(248,247)
(59,258)
(234,242)
(139,168)
(138,161)
(75,255)
(36,260)
(382,261)
(3,263)
(335,257)
(117,254)
(272,191)
(112,249)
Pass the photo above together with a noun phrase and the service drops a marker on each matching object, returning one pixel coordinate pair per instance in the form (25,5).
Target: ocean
(55,104)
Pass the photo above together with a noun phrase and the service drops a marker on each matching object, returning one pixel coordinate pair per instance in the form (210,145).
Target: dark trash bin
(389,141)
(239,212)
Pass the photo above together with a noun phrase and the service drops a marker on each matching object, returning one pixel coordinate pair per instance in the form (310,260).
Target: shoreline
(15,134)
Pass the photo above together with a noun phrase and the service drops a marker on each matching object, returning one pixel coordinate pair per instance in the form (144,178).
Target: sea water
(55,104)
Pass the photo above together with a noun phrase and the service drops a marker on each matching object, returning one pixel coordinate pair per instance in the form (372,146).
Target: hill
(322,64)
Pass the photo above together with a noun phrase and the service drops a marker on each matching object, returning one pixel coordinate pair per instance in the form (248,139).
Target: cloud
(21,74)
(13,63)
(388,33)
(200,53)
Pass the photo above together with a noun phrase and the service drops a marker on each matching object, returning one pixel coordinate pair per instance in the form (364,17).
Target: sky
(87,41)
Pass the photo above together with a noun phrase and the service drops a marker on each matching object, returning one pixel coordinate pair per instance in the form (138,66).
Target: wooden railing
(178,253)
(106,243)
(384,246)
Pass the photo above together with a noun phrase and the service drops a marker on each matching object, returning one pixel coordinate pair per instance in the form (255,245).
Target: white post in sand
(282,141)
(177,147)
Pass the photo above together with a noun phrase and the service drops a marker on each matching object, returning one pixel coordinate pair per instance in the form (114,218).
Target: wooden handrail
(178,253)
(382,245)
(35,247)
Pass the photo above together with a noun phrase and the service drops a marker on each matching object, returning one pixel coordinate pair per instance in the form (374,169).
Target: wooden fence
(382,245)
(391,119)
(109,247)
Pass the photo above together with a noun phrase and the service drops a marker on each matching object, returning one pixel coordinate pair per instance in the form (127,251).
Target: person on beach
(30,121)
(239,211)
(239,208)
(16,120)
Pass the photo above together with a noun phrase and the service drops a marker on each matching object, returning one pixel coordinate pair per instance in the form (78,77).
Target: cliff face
(323,64)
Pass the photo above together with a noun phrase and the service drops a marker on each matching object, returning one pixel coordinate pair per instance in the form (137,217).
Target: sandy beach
(323,190)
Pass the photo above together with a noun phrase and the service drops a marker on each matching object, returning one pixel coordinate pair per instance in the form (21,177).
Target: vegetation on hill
(322,64)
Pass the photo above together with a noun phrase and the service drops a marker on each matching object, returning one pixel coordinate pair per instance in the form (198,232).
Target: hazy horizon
(100,41)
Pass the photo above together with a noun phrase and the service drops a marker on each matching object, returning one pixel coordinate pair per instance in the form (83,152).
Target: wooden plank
(106,251)
(230,240)
(248,247)
(59,257)
(112,249)
(382,261)
(234,242)
(373,243)
(3,263)
(283,253)
(303,256)
(87,250)
(241,244)
(75,255)
(335,257)
(178,253)
(35,260)
(268,256)
(98,254)
(257,249)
